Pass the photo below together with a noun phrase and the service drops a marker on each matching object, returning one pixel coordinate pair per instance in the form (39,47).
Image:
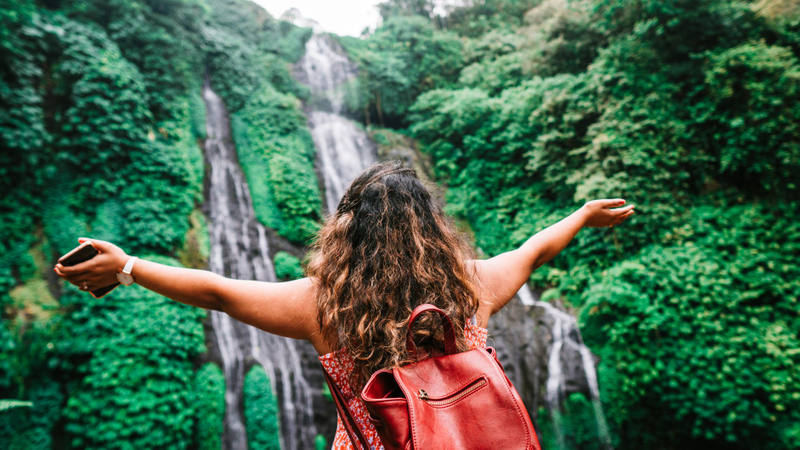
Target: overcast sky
(347,17)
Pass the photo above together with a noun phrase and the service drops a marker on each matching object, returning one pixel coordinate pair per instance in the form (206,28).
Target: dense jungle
(519,111)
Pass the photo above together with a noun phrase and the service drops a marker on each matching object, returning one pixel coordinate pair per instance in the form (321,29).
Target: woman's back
(387,248)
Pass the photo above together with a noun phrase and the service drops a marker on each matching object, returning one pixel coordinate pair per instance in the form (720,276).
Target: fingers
(625,210)
(608,203)
(87,284)
(622,218)
(74,278)
(77,269)
(59,269)
(101,246)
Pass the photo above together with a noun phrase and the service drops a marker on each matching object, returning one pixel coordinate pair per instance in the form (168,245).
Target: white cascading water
(240,250)
(343,147)
(565,331)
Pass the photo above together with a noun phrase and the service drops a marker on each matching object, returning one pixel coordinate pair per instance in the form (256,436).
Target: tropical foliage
(210,395)
(101,121)
(260,411)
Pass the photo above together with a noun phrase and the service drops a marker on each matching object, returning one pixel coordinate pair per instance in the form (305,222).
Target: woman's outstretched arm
(283,308)
(502,276)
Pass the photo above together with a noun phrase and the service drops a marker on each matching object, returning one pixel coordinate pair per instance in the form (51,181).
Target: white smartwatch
(125,276)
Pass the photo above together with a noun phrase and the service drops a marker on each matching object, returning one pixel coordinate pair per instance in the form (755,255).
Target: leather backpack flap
(464,401)
(388,409)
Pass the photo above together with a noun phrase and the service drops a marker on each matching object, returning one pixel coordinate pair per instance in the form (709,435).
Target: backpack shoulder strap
(347,419)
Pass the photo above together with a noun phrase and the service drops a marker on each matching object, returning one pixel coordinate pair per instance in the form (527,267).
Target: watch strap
(129,265)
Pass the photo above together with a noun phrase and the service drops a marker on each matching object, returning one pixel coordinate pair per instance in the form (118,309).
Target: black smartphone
(81,253)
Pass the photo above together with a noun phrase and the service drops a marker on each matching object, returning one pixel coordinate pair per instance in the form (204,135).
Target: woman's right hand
(598,213)
(98,272)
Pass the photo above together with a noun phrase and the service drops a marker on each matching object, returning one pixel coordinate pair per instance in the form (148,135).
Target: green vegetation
(708,327)
(260,411)
(276,152)
(101,121)
(132,356)
(403,58)
(320,443)
(688,109)
(287,267)
(210,392)
(95,151)
(197,246)
(32,427)
(578,418)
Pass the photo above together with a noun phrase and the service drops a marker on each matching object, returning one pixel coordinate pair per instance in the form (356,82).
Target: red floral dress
(339,366)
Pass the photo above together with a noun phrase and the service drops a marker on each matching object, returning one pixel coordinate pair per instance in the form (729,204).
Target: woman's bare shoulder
(486,286)
(315,332)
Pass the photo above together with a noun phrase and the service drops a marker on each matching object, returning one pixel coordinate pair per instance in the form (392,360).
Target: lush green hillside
(689,110)
(101,126)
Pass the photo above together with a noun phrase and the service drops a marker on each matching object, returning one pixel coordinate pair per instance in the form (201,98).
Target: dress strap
(474,319)
(353,432)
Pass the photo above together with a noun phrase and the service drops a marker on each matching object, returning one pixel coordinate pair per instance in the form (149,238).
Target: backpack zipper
(452,399)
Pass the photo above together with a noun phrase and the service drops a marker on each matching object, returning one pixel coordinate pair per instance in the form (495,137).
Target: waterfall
(343,147)
(565,332)
(240,250)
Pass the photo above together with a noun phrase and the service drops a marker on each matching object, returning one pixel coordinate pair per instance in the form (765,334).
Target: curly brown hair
(388,248)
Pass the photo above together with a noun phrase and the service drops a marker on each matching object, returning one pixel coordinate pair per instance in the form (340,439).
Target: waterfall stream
(240,250)
(565,333)
(343,147)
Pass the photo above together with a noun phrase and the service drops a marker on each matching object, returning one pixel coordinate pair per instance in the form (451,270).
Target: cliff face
(523,337)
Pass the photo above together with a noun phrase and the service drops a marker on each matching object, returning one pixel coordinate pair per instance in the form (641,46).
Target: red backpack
(455,401)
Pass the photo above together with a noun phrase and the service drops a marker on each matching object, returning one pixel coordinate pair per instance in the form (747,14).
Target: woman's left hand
(98,272)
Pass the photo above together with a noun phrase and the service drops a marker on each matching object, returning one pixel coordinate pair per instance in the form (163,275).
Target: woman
(388,248)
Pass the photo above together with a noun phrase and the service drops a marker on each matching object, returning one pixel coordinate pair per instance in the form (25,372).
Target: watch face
(125,278)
